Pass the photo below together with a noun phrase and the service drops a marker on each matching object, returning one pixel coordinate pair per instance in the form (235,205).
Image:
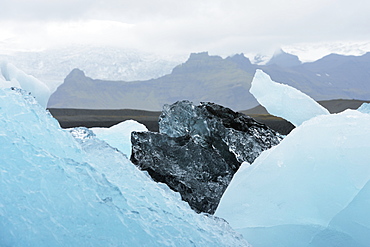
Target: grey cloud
(109,9)
(222,26)
(43,10)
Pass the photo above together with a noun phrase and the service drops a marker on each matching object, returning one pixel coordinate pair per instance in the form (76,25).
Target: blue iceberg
(313,188)
(68,188)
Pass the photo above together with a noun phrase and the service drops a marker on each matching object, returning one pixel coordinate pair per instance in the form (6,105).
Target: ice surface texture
(284,101)
(199,148)
(310,190)
(10,76)
(57,190)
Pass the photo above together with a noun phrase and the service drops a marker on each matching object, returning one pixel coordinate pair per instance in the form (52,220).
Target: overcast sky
(222,27)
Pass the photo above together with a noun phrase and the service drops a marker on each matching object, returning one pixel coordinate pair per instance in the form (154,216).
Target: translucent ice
(350,227)
(119,135)
(365,108)
(284,101)
(10,76)
(310,187)
(58,189)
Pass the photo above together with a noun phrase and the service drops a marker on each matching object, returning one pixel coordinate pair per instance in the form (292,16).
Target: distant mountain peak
(284,59)
(241,60)
(77,72)
(203,56)
(75,75)
(201,61)
(197,55)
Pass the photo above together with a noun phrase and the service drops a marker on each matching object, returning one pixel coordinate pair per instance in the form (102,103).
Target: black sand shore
(69,118)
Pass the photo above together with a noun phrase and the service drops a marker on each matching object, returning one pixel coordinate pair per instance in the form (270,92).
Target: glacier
(11,76)
(310,190)
(284,101)
(68,188)
(107,63)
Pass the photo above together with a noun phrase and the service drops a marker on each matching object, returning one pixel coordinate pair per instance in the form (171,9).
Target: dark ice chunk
(199,149)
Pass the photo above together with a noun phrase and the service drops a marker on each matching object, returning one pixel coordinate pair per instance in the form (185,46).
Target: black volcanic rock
(199,149)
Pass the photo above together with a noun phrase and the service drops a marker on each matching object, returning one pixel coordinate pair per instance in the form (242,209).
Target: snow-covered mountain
(309,52)
(107,63)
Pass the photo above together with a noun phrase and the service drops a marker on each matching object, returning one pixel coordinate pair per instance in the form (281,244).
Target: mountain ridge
(225,81)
